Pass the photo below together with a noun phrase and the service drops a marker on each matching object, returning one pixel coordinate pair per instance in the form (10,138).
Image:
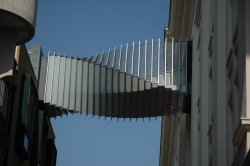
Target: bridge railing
(163,63)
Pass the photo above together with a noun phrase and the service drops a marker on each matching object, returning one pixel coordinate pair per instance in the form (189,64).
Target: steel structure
(142,80)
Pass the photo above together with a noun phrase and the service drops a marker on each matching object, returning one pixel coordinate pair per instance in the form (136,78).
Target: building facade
(218,131)
(27,136)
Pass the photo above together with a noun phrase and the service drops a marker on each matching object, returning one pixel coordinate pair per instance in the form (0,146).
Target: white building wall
(220,104)
(204,80)
(211,87)
(220,35)
(195,141)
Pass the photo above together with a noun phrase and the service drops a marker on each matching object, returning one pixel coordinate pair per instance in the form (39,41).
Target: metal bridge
(147,79)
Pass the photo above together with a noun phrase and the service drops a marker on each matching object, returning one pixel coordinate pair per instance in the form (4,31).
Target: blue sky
(82,28)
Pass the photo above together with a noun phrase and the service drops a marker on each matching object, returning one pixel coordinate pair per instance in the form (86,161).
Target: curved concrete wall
(20,16)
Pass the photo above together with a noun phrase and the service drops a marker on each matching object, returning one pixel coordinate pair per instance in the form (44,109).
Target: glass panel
(155,63)
(129,60)
(111,59)
(136,54)
(168,64)
(148,61)
(26,142)
(123,59)
(176,72)
(105,59)
(169,57)
(99,58)
(116,60)
(162,62)
(162,58)
(142,62)
(94,59)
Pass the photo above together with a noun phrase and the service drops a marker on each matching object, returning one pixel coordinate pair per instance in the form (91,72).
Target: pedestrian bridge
(147,79)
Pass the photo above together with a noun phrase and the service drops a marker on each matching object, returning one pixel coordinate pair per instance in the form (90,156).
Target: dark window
(48,152)
(4,120)
(27,127)
(3,97)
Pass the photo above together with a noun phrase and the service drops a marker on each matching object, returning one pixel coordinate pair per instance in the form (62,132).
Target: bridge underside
(117,84)
(150,103)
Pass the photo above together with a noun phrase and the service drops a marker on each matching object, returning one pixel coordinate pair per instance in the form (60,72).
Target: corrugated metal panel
(61,82)
(128,89)
(109,91)
(49,79)
(72,94)
(97,90)
(67,84)
(134,97)
(91,77)
(79,85)
(55,80)
(122,94)
(85,86)
(115,95)
(103,91)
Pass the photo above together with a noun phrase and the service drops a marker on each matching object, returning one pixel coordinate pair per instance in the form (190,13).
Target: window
(27,126)
(22,141)
(26,142)
(3,97)
(48,152)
